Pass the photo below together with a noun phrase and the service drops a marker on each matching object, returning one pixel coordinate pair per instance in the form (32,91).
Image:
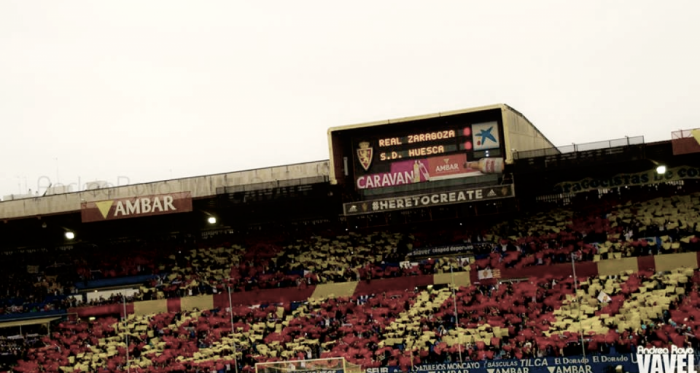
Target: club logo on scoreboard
(486,136)
(364,155)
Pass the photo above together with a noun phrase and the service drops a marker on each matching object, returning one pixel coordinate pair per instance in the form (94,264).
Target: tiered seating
(25,288)
(352,328)
(624,231)
(536,317)
(541,316)
(200,271)
(162,342)
(599,232)
(343,258)
(204,339)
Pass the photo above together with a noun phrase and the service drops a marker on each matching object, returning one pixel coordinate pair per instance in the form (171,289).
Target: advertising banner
(418,166)
(634,179)
(486,274)
(429,199)
(404,172)
(449,166)
(466,249)
(430,169)
(597,363)
(124,208)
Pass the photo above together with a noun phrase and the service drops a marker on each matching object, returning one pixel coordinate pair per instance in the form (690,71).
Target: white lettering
(384,180)
(168,204)
(156,204)
(132,208)
(657,364)
(145,205)
(669,362)
(119,209)
(572,369)
(447,168)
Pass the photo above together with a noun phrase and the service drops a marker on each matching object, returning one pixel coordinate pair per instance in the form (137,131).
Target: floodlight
(661,169)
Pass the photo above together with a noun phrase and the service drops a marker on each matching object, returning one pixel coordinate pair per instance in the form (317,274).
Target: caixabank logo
(666,360)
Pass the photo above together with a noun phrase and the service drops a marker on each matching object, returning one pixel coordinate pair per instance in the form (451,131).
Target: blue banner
(119,281)
(31,315)
(591,364)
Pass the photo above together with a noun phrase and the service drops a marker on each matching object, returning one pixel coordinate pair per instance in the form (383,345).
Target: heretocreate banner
(429,199)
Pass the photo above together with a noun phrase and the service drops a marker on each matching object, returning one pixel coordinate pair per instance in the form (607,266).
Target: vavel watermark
(665,360)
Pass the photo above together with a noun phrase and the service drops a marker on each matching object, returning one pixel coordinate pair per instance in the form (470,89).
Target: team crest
(364,155)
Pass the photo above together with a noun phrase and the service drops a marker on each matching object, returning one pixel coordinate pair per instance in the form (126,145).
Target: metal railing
(573,148)
(682,134)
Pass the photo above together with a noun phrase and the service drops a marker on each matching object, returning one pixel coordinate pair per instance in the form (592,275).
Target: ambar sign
(124,208)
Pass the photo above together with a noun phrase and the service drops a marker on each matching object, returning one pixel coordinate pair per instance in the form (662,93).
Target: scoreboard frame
(377,148)
(426,161)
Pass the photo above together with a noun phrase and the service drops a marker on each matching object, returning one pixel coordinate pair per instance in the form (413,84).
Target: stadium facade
(451,165)
(463,167)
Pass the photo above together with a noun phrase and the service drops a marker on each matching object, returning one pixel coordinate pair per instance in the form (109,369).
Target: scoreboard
(429,160)
(431,148)
(418,153)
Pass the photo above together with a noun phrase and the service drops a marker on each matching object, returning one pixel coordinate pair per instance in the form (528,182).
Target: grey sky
(152,90)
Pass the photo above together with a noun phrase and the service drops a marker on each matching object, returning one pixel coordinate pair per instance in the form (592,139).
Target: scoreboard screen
(421,151)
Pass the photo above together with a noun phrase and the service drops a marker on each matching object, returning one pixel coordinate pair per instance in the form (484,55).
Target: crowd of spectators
(396,328)
(513,320)
(14,347)
(599,229)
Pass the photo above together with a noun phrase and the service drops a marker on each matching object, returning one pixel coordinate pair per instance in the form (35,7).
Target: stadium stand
(529,318)
(603,231)
(401,326)
(502,282)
